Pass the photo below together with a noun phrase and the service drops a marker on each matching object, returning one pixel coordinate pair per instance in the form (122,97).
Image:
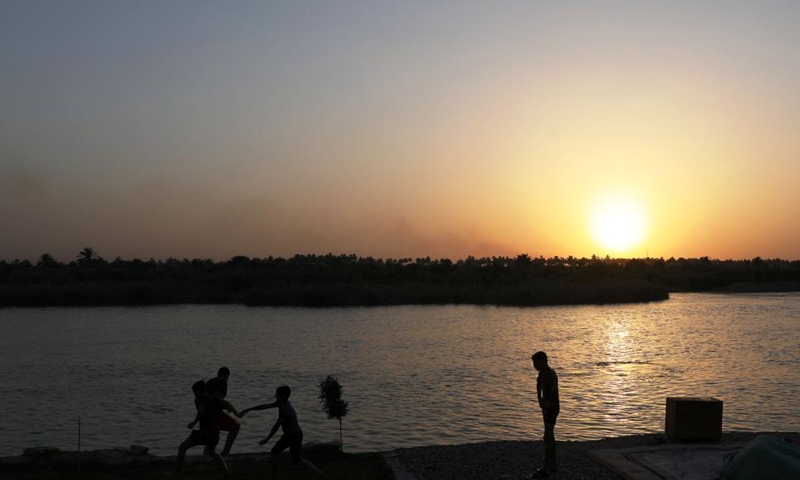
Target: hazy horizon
(205,130)
(110,258)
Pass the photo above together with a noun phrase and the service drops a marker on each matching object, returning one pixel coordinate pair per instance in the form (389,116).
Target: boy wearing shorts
(208,435)
(292,437)
(218,388)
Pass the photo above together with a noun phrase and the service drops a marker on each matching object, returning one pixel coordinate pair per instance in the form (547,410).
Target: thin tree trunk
(341,442)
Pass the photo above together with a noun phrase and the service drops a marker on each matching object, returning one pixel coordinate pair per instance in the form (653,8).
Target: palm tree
(46,260)
(87,256)
(523,260)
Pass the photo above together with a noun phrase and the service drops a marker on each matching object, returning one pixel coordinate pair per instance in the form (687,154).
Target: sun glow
(618,223)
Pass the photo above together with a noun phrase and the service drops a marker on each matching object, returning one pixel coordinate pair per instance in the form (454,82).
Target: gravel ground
(517,460)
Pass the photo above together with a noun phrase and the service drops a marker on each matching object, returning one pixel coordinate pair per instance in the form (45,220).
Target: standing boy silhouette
(547,394)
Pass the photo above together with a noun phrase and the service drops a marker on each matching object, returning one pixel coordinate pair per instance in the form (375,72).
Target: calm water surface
(412,375)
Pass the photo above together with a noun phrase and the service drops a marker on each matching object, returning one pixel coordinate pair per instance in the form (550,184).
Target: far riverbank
(332,295)
(348,280)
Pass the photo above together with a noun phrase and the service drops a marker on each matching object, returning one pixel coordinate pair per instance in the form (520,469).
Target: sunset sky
(207,129)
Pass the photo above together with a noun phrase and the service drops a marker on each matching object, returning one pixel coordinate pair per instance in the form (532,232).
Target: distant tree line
(342,280)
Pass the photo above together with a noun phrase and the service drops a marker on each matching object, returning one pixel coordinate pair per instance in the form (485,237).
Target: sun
(618,223)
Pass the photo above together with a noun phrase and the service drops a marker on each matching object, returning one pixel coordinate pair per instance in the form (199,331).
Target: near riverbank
(122,464)
(517,460)
(480,461)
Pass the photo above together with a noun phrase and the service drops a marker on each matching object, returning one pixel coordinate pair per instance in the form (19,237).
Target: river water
(412,375)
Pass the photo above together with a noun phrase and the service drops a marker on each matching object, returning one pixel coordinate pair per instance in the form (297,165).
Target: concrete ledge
(400,472)
(621,460)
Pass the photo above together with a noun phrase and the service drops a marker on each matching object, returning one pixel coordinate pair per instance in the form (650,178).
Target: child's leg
(272,458)
(186,445)
(233,431)
(296,449)
(272,465)
(218,458)
(550,447)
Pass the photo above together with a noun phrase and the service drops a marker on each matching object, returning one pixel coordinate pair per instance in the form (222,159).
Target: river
(412,375)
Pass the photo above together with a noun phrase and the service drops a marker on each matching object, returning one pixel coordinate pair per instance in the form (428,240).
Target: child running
(292,437)
(218,387)
(208,408)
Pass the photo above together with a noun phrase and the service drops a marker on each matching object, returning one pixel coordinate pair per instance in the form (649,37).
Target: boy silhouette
(292,437)
(547,395)
(208,435)
(218,388)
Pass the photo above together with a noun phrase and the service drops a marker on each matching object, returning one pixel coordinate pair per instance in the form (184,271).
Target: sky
(206,129)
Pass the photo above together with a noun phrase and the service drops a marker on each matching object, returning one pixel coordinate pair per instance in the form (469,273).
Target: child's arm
(263,406)
(272,432)
(226,405)
(200,412)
